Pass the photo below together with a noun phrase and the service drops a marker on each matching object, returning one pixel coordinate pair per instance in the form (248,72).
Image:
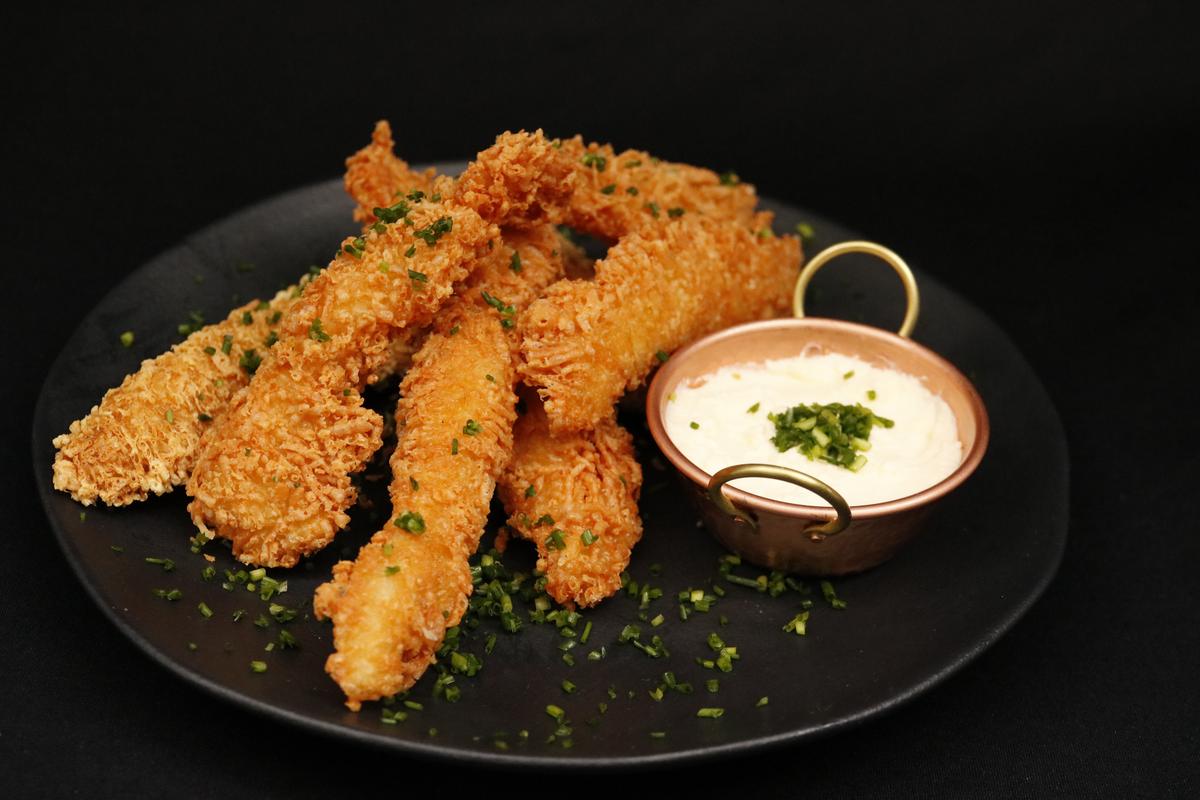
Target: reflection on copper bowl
(776,534)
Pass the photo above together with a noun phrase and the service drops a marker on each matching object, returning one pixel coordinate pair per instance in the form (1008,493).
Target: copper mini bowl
(789,536)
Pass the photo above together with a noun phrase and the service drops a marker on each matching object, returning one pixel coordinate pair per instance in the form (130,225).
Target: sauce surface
(710,421)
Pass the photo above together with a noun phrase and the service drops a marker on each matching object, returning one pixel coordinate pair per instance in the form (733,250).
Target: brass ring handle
(880,252)
(816,532)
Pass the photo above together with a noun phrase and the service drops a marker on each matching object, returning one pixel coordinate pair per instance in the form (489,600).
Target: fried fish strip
(376,177)
(392,606)
(575,497)
(143,436)
(274,476)
(585,343)
(525,179)
(617,193)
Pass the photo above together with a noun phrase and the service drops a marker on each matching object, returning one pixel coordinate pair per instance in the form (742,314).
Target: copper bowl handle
(879,251)
(816,532)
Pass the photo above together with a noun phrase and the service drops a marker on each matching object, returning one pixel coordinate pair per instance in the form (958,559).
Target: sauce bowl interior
(756,342)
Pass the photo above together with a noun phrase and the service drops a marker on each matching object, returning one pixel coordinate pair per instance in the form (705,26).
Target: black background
(1038,158)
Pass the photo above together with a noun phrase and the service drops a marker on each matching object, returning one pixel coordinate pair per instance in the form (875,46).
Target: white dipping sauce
(921,449)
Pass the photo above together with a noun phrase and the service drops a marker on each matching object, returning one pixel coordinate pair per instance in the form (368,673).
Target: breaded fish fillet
(142,437)
(377,178)
(392,606)
(574,496)
(520,181)
(274,476)
(126,448)
(617,193)
(586,342)
(525,178)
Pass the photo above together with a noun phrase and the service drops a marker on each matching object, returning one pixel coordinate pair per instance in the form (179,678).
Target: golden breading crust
(374,175)
(585,342)
(274,476)
(392,606)
(617,193)
(520,181)
(556,488)
(143,436)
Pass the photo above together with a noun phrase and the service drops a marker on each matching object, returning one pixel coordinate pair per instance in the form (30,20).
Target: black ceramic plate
(986,555)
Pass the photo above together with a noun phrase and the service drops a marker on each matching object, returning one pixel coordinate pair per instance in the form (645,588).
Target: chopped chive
(753,409)
(662,356)
(568,687)
(595,161)
(452,331)
(712,685)
(127,339)
(247,318)
(632,191)
(694,426)
(210,351)
(413,483)
(410,521)
(588,538)
(226,344)
(612,187)
(555,712)
(417,277)
(848,375)
(658,734)
(729,179)
(710,713)
(675,213)
(454,447)
(391,570)
(555,540)
(871,394)
(827,591)
(762,701)
(258,666)
(530,491)
(166,563)
(205,611)
(434,230)
(250,361)
(807,234)
(116,548)
(316,332)
(514,263)
(472,428)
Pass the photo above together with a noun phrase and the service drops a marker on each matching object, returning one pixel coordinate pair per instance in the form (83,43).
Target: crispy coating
(274,476)
(617,193)
(585,343)
(520,181)
(542,257)
(587,481)
(375,174)
(525,179)
(142,437)
(392,606)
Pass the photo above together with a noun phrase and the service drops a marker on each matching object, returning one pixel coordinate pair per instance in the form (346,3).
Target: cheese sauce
(710,421)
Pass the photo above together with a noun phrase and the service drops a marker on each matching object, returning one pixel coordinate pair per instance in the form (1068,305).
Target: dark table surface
(1040,161)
